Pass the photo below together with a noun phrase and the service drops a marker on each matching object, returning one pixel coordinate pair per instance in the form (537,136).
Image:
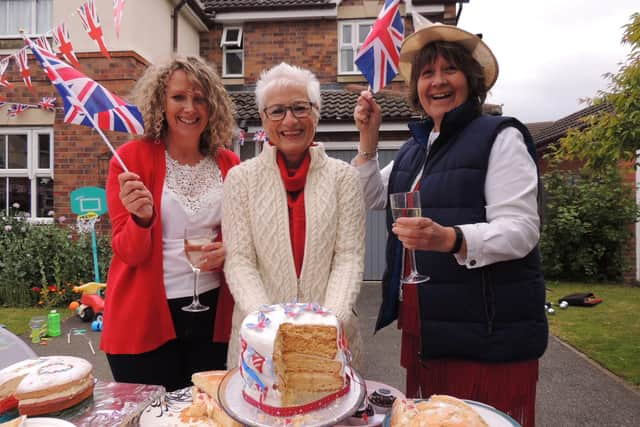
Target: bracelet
(368,155)
(459,238)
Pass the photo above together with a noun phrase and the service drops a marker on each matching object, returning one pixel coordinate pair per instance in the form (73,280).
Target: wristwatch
(459,238)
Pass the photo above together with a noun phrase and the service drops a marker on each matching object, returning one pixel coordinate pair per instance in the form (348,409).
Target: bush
(40,263)
(588,225)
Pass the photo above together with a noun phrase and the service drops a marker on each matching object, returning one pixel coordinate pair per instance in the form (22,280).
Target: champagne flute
(195,237)
(408,204)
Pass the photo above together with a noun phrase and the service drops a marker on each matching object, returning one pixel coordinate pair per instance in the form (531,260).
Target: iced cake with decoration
(293,358)
(47,384)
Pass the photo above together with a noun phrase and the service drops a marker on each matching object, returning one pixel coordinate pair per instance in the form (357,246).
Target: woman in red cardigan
(174,180)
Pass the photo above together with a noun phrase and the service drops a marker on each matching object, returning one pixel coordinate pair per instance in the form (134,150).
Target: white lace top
(192,195)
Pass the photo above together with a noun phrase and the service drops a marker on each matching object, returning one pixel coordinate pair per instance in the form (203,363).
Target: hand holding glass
(194,239)
(408,205)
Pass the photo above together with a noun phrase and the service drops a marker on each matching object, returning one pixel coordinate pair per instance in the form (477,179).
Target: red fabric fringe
(509,387)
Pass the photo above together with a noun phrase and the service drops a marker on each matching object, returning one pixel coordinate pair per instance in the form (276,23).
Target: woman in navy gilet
(477,328)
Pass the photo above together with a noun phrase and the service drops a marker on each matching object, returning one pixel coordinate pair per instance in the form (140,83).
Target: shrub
(588,225)
(45,257)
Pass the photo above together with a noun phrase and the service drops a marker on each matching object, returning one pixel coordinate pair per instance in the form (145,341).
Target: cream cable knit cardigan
(259,266)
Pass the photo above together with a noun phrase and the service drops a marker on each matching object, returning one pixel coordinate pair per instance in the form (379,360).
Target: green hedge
(39,264)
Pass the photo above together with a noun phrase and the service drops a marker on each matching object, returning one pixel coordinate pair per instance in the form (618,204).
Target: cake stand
(231,400)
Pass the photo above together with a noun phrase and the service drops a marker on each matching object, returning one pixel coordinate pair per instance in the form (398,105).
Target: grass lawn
(17,319)
(608,333)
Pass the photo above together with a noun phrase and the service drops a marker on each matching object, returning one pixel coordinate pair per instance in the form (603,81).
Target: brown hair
(457,55)
(150,95)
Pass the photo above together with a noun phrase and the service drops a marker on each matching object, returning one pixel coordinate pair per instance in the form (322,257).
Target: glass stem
(412,262)
(196,278)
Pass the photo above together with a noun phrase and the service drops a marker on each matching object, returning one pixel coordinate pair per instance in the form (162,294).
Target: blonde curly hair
(150,97)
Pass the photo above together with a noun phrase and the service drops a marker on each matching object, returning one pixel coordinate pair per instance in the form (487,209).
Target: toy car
(91,302)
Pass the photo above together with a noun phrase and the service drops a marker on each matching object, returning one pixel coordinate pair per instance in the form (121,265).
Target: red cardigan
(136,313)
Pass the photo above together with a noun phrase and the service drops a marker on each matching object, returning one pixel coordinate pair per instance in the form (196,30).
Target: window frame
(355,26)
(33,172)
(232,47)
(33,25)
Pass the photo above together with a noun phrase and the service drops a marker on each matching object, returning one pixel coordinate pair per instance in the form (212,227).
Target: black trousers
(172,364)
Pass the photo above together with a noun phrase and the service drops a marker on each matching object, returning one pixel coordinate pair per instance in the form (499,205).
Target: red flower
(35,289)
(52,288)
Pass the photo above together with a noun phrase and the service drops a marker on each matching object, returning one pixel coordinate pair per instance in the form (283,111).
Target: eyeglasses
(300,110)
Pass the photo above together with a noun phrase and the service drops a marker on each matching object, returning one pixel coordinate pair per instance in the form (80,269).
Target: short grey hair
(284,75)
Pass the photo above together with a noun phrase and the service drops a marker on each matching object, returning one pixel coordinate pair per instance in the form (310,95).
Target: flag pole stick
(79,104)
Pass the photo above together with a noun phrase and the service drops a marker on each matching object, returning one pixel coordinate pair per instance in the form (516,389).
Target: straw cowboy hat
(427,32)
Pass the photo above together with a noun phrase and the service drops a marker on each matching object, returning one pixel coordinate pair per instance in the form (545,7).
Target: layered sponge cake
(47,384)
(293,358)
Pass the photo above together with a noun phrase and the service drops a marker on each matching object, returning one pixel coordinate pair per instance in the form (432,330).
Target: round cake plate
(232,401)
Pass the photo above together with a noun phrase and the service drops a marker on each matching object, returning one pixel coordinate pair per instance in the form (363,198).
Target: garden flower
(35,289)
(16,205)
(52,288)
(50,213)
(62,219)
(7,228)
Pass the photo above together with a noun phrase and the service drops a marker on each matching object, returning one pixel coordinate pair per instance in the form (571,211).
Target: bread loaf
(438,411)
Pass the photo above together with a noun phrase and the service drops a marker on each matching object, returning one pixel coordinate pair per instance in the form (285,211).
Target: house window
(351,36)
(26,170)
(34,16)
(232,52)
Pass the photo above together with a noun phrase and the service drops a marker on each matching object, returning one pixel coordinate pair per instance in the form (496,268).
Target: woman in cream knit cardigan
(293,218)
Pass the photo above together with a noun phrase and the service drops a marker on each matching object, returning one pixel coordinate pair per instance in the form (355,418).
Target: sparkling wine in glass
(194,239)
(408,204)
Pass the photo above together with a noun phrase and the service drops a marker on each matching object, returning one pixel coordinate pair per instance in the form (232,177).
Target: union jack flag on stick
(88,103)
(379,56)
(91,24)
(63,41)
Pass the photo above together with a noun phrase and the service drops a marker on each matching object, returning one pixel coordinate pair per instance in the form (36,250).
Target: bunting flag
(241,136)
(91,24)
(379,56)
(118,8)
(48,103)
(21,58)
(82,97)
(260,135)
(16,109)
(3,80)
(43,43)
(63,42)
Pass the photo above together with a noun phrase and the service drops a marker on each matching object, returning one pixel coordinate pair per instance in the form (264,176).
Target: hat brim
(412,45)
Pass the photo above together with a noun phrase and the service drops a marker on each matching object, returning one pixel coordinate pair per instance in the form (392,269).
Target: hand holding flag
(379,56)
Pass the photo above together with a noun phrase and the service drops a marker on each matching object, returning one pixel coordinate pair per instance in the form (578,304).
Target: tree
(611,136)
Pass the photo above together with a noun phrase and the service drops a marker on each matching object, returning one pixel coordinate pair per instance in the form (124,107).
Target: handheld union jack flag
(23,64)
(118,8)
(91,24)
(260,135)
(87,102)
(63,41)
(379,56)
(3,80)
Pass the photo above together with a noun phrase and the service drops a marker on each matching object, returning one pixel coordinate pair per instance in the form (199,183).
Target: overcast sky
(551,53)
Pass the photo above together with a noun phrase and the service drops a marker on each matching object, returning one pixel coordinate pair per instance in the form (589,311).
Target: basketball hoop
(85,223)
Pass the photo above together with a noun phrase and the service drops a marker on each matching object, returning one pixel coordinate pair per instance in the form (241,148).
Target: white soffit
(278,15)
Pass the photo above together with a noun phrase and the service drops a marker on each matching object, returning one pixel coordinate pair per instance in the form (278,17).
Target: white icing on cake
(257,337)
(55,371)
(44,373)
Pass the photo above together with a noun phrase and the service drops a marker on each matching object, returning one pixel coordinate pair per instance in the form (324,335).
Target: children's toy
(92,301)
(39,328)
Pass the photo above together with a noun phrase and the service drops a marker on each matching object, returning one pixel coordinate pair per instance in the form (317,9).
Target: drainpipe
(174,17)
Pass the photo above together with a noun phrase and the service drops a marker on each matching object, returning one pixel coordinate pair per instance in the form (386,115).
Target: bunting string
(15,108)
(62,40)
